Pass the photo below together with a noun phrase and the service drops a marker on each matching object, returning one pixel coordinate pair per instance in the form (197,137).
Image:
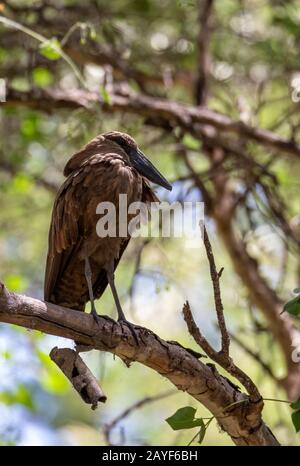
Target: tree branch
(109,427)
(222,357)
(262,296)
(80,376)
(215,278)
(172,113)
(242,421)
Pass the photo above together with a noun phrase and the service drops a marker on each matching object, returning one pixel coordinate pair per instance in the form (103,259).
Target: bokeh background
(253,71)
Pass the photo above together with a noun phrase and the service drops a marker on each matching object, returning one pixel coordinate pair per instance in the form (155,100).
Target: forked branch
(221,357)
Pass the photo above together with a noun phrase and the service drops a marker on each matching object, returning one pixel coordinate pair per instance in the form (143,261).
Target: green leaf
(202,432)
(296,420)
(190,142)
(293,306)
(22,183)
(16,283)
(296,414)
(42,77)
(296,290)
(184,418)
(105,96)
(51,49)
(6,355)
(52,379)
(21,396)
(54,382)
(20,83)
(30,126)
(296,404)
(93,34)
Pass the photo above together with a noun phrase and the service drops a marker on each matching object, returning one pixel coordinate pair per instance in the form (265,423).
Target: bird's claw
(95,316)
(131,328)
(121,320)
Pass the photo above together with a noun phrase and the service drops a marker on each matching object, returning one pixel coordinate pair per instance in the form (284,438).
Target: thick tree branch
(242,421)
(172,113)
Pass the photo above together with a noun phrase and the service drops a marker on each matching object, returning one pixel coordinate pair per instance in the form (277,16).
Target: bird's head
(137,159)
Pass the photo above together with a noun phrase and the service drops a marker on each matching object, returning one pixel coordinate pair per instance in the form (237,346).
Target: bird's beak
(146,169)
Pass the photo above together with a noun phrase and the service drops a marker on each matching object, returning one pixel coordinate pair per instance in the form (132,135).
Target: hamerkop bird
(80,264)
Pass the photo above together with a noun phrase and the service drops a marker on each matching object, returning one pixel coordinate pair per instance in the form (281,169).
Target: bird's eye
(122,142)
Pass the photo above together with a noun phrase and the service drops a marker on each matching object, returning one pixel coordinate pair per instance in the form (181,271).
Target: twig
(108,428)
(182,151)
(80,376)
(221,357)
(215,278)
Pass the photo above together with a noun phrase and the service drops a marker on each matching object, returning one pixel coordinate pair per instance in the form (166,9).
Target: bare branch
(242,422)
(215,278)
(80,376)
(163,111)
(263,297)
(181,150)
(108,428)
(196,332)
(222,359)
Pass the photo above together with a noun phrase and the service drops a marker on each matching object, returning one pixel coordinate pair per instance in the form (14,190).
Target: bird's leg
(121,315)
(88,276)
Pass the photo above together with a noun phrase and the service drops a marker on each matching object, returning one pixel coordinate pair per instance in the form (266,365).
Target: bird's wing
(64,235)
(100,178)
(98,145)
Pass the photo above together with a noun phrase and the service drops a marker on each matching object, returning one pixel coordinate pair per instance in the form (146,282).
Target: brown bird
(80,264)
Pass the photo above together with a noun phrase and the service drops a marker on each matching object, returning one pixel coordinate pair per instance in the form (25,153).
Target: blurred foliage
(255,67)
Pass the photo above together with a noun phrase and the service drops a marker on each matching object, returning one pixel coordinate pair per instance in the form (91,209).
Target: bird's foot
(96,317)
(131,328)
